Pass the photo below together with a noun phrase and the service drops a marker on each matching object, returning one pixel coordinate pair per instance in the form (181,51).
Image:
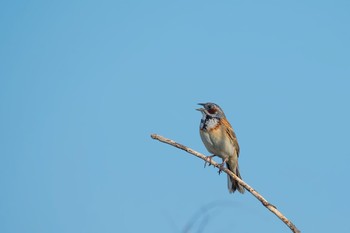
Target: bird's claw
(221,167)
(208,160)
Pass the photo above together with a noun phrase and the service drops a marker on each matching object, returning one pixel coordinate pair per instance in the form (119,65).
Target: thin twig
(268,205)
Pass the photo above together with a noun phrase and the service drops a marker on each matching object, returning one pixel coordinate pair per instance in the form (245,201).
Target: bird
(220,139)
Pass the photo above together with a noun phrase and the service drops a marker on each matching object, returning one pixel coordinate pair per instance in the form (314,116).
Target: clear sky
(84,83)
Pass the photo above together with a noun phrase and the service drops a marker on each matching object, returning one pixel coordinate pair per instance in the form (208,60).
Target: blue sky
(84,84)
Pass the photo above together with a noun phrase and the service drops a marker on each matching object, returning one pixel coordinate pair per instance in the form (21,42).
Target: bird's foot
(222,166)
(209,158)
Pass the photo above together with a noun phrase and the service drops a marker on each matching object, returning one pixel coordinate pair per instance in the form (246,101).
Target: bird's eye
(209,106)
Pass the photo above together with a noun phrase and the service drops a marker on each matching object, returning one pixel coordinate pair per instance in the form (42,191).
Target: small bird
(219,138)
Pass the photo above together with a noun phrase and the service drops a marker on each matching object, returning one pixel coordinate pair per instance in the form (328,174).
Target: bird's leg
(222,165)
(209,158)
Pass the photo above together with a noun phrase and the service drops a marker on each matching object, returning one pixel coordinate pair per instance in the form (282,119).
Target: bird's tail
(233,185)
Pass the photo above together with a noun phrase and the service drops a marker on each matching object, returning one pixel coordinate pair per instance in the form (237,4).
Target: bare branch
(265,203)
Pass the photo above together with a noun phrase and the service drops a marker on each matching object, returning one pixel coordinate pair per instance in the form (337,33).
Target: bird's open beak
(201,109)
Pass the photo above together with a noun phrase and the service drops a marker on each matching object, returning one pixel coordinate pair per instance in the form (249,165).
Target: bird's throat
(208,122)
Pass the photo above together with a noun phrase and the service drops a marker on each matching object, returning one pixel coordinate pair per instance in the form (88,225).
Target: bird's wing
(231,134)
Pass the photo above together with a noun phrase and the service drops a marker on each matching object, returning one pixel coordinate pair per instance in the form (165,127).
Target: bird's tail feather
(233,185)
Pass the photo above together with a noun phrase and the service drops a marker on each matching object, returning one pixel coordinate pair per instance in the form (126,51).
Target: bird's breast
(216,141)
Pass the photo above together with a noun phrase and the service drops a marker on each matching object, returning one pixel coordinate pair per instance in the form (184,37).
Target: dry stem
(268,205)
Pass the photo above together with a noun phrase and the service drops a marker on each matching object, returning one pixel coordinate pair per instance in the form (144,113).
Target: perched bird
(219,138)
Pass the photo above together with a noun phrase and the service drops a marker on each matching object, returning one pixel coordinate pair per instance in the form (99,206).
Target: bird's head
(211,109)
